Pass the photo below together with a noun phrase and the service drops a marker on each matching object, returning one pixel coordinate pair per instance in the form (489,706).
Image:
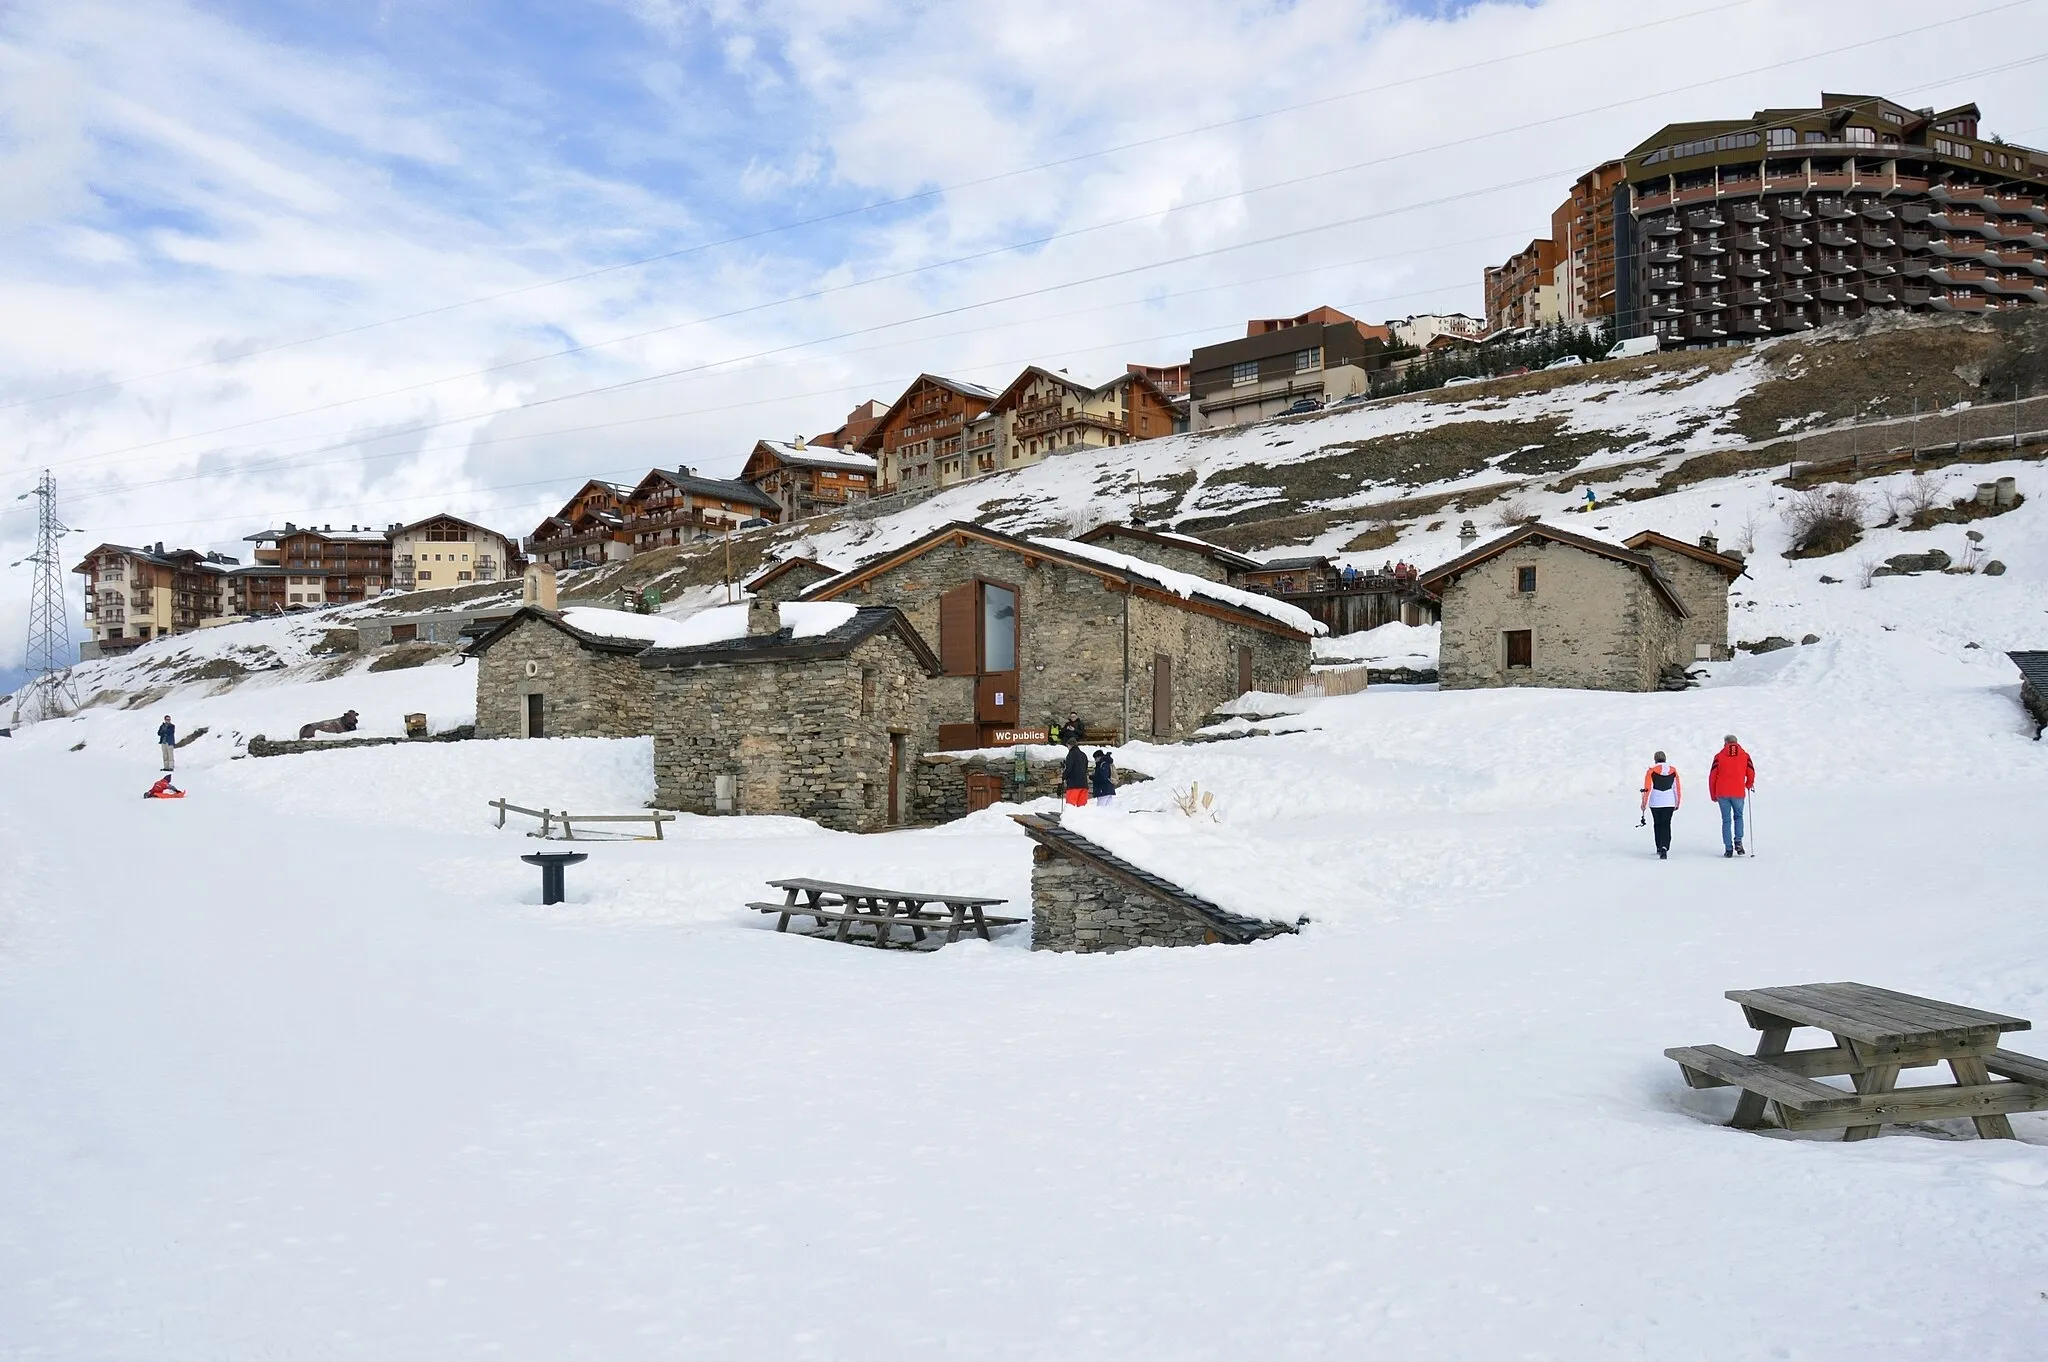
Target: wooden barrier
(549,817)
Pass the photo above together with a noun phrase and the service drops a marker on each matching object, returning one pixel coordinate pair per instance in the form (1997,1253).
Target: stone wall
(940,792)
(1705,593)
(797,737)
(585,693)
(1072,635)
(1076,908)
(1596,623)
(441,627)
(790,583)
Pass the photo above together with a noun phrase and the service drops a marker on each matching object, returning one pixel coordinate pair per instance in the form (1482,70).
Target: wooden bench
(1877,1033)
(831,902)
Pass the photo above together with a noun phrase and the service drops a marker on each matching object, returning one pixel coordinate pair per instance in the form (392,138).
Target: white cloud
(180,188)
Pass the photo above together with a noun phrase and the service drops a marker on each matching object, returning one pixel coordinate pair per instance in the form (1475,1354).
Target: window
(1244,372)
(1816,137)
(1525,579)
(1783,137)
(1894,116)
(998,629)
(1861,137)
(425,575)
(404,633)
(1309,359)
(1521,647)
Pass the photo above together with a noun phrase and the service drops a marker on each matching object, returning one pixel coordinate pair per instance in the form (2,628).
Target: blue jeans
(1731,816)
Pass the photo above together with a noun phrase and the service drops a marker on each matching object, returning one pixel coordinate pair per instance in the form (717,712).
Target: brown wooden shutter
(1244,670)
(959,620)
(1162,696)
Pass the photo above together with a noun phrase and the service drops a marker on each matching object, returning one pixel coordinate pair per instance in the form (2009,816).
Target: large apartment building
(1320,356)
(1043,413)
(135,594)
(445,550)
(315,565)
(805,478)
(1568,276)
(590,528)
(920,442)
(1794,218)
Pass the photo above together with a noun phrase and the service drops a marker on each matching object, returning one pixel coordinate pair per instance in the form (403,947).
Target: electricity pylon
(48,693)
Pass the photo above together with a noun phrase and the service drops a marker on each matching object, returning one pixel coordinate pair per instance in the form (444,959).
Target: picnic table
(1877,1034)
(842,906)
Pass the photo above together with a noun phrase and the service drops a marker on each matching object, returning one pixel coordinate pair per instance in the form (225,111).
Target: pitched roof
(1644,539)
(1216,553)
(813,455)
(427,520)
(784,646)
(1046,830)
(1437,578)
(2033,671)
(783,565)
(596,643)
(872,441)
(725,489)
(1298,564)
(1182,590)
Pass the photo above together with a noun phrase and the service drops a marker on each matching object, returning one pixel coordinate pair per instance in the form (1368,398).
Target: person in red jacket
(1661,794)
(1729,780)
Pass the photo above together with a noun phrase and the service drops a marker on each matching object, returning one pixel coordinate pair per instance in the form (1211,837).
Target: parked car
(1564,362)
(1633,346)
(1301,405)
(581,563)
(752,522)
(1355,397)
(1458,382)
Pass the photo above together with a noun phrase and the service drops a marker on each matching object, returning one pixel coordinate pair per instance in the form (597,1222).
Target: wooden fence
(549,817)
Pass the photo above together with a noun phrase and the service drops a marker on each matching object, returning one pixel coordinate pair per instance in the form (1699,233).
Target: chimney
(327,529)
(539,587)
(289,527)
(1709,543)
(763,617)
(1466,534)
(797,443)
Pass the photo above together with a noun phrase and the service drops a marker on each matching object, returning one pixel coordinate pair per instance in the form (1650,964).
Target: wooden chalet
(589,529)
(323,565)
(805,479)
(677,506)
(919,442)
(1043,413)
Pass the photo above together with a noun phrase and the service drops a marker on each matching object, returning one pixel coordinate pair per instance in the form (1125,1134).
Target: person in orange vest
(1661,796)
(1729,781)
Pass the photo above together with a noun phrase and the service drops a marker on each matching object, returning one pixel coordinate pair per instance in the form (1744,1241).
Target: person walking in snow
(1729,780)
(1074,775)
(1661,796)
(1103,783)
(167,742)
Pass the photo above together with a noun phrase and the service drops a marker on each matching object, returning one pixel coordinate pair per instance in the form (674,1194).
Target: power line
(1035,242)
(919,196)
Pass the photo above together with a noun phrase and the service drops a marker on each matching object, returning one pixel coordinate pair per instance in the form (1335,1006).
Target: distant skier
(1074,776)
(1661,794)
(1103,784)
(163,789)
(1729,781)
(167,742)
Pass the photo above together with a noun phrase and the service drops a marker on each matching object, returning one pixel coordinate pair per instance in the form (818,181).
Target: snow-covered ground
(300,1067)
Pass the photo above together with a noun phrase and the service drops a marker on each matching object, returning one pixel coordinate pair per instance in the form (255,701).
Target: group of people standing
(1081,778)
(1730,777)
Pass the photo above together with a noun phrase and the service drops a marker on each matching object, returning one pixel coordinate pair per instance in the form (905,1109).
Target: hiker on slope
(1661,795)
(1729,780)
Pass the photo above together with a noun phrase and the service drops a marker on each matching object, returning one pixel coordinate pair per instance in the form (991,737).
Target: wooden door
(1162,696)
(1244,670)
(895,779)
(1521,648)
(533,723)
(984,789)
(995,699)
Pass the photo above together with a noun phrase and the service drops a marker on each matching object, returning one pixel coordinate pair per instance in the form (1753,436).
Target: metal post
(49,693)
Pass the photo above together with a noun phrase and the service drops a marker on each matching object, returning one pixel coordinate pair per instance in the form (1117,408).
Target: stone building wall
(1204,650)
(940,793)
(794,736)
(584,693)
(1705,593)
(1076,908)
(790,583)
(1596,623)
(1073,642)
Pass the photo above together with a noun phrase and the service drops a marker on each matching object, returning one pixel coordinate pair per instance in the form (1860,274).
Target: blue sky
(190,182)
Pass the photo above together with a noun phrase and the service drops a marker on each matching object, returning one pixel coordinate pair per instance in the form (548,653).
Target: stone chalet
(788,578)
(1541,606)
(541,675)
(1181,552)
(1030,630)
(1701,575)
(814,712)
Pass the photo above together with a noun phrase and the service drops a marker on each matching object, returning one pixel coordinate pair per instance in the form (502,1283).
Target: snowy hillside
(299,1066)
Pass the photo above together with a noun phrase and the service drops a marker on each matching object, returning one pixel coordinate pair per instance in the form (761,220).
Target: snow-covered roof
(818,456)
(1189,586)
(803,619)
